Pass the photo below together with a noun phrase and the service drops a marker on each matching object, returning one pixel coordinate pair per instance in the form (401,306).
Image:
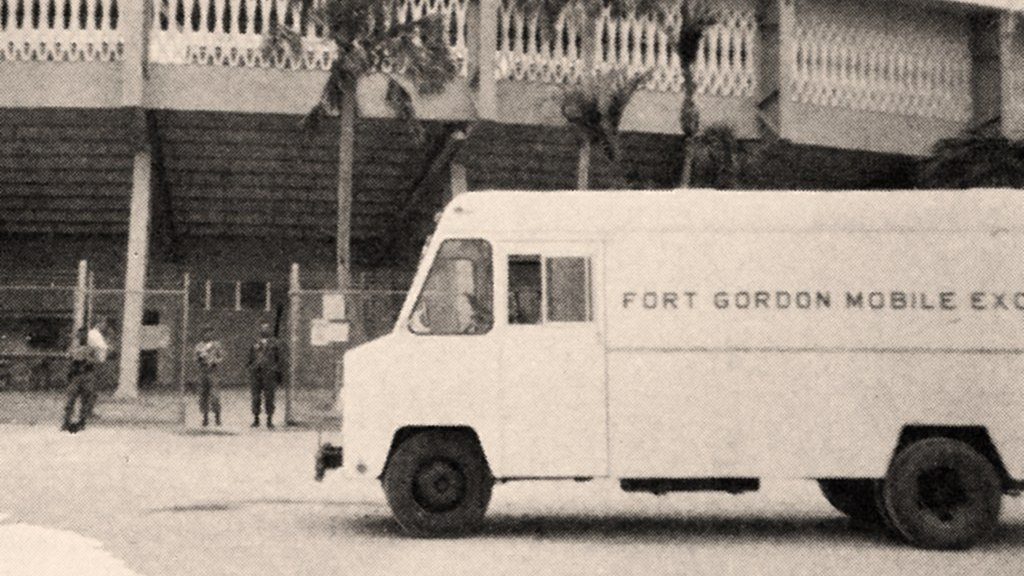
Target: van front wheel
(437,483)
(941,493)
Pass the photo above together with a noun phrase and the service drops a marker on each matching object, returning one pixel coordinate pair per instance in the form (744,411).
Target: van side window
(457,297)
(568,289)
(524,289)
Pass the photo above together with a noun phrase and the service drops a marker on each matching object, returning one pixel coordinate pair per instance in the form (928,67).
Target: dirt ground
(166,500)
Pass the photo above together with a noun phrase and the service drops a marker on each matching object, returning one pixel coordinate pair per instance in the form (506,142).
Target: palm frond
(596,106)
(372,36)
(400,102)
(418,50)
(716,157)
(695,17)
(547,12)
(973,160)
(330,96)
(280,40)
(621,92)
(657,10)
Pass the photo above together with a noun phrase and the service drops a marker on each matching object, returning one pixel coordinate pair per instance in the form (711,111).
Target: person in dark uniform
(209,355)
(265,369)
(88,351)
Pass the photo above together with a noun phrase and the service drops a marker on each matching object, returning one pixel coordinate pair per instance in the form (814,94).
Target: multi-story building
(216,173)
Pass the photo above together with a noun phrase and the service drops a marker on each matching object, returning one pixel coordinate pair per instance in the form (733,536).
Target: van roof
(613,211)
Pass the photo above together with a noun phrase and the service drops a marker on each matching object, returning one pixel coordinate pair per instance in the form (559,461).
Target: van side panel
(804,353)
(795,414)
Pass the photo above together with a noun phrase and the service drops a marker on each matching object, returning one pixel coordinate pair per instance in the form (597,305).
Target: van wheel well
(976,437)
(404,433)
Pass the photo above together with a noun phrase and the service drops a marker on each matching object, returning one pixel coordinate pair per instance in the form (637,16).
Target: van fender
(488,448)
(1000,450)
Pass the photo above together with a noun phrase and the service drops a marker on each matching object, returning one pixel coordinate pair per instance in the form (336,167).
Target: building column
(776,63)
(1011,75)
(133,19)
(486,42)
(986,73)
(81,288)
(457,181)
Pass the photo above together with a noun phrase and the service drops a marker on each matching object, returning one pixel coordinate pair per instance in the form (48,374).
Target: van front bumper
(328,457)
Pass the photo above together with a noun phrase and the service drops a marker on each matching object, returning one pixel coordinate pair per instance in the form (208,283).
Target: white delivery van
(705,340)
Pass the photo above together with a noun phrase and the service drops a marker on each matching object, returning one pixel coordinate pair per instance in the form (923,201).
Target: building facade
(154,137)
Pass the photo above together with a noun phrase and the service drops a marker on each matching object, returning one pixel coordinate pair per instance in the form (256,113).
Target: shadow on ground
(206,432)
(231,505)
(704,528)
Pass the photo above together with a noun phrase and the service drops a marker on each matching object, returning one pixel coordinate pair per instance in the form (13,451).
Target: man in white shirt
(87,352)
(209,355)
(97,342)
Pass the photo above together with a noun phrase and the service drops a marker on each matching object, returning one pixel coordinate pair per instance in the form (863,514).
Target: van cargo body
(700,339)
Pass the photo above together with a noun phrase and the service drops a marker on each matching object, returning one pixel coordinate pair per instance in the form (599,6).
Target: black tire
(941,493)
(853,497)
(437,483)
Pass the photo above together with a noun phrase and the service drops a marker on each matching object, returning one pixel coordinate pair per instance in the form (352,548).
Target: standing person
(209,355)
(88,351)
(99,343)
(265,368)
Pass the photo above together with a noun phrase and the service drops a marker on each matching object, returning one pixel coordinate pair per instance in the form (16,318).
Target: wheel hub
(941,491)
(439,486)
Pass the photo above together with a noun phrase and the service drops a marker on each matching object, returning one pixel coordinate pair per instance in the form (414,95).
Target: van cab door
(553,397)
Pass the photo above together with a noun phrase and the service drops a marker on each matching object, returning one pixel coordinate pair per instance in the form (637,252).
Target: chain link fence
(36,323)
(40,315)
(324,322)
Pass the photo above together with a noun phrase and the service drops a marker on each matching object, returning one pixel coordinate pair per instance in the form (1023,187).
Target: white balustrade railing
(831,65)
(726,66)
(232,32)
(527,51)
(60,30)
(875,71)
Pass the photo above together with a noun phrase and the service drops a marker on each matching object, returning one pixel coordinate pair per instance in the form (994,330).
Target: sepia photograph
(511,287)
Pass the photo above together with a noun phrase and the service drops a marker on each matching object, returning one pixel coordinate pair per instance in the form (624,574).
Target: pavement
(123,500)
(311,408)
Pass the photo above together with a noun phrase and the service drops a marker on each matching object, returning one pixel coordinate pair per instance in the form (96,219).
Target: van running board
(664,485)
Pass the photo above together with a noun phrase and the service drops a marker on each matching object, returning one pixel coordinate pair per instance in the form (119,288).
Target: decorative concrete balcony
(892,78)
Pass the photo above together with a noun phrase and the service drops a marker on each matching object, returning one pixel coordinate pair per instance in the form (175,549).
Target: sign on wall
(155,337)
(323,332)
(334,306)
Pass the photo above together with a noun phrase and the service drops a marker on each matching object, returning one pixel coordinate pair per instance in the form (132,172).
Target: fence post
(294,309)
(183,364)
(79,303)
(90,299)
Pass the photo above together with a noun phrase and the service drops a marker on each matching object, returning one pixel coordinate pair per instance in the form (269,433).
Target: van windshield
(457,297)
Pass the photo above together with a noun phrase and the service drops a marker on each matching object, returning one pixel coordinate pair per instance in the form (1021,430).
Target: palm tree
(594,108)
(716,157)
(372,37)
(974,160)
(684,21)
(695,17)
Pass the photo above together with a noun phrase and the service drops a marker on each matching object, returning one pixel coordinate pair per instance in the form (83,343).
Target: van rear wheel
(853,497)
(437,483)
(941,493)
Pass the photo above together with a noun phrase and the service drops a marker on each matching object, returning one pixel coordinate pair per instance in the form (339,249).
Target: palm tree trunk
(346,160)
(588,54)
(689,123)
(583,165)
(687,172)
